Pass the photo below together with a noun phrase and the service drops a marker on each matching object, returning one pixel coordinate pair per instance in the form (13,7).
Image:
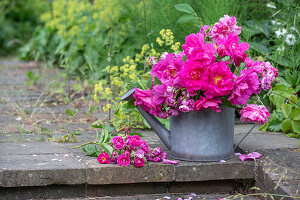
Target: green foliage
(18,20)
(101,144)
(286,114)
(33,78)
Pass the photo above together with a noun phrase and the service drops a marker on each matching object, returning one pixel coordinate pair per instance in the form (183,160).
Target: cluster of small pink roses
(132,150)
(207,71)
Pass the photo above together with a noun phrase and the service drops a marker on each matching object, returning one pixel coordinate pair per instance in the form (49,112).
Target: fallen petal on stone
(193,194)
(243,157)
(166,161)
(222,161)
(66,156)
(167,197)
(254,155)
(237,154)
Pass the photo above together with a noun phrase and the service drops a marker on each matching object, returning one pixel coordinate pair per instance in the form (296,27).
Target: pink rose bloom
(243,87)
(160,94)
(249,62)
(139,162)
(254,113)
(123,160)
(139,153)
(156,159)
(219,80)
(197,50)
(235,50)
(144,146)
(157,111)
(134,141)
(221,50)
(157,151)
(184,108)
(203,30)
(143,98)
(227,25)
(180,55)
(168,68)
(173,162)
(212,103)
(114,157)
(173,112)
(118,142)
(191,76)
(164,55)
(103,158)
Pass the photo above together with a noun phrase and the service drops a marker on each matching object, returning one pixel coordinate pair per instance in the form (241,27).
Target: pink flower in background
(143,98)
(243,87)
(203,30)
(219,80)
(139,162)
(118,142)
(270,74)
(254,113)
(173,112)
(114,157)
(152,60)
(123,160)
(164,55)
(134,141)
(249,62)
(168,68)
(197,50)
(191,76)
(103,158)
(180,55)
(227,25)
(204,103)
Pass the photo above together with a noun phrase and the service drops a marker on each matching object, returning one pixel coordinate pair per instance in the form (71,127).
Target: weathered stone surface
(40,170)
(126,189)
(187,171)
(113,174)
(260,141)
(49,192)
(28,148)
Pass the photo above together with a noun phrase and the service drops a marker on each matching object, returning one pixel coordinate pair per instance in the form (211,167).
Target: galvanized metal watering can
(195,136)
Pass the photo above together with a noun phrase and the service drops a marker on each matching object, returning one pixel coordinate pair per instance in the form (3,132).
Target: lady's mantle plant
(213,69)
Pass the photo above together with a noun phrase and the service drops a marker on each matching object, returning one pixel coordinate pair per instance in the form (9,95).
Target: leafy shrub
(18,20)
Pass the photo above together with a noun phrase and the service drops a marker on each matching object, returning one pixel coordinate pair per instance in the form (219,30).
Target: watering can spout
(156,125)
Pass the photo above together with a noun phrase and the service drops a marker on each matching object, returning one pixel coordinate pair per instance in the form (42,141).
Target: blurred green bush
(18,20)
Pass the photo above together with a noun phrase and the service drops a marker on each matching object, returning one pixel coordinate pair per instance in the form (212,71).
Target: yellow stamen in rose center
(103,159)
(217,78)
(194,75)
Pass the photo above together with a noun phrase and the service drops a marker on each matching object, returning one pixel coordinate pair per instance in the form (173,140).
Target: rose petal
(166,161)
(193,194)
(167,197)
(243,157)
(222,161)
(237,154)
(255,155)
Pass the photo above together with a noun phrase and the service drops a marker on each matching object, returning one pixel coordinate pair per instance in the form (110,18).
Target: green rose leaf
(296,126)
(185,8)
(185,19)
(286,126)
(295,114)
(286,109)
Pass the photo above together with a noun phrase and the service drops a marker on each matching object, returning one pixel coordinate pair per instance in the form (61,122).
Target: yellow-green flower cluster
(167,38)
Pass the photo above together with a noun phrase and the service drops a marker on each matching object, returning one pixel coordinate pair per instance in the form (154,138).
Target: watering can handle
(236,146)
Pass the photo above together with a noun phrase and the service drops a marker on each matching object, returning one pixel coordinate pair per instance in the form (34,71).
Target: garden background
(103,47)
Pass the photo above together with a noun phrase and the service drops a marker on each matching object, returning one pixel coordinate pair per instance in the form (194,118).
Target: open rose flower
(219,80)
(139,162)
(143,98)
(118,142)
(123,160)
(204,103)
(103,158)
(254,113)
(134,141)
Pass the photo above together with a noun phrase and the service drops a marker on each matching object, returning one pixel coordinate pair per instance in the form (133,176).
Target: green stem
(84,144)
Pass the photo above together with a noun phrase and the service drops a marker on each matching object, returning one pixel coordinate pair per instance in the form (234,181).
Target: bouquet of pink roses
(213,69)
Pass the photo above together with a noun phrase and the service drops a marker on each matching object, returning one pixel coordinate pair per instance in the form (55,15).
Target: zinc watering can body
(195,136)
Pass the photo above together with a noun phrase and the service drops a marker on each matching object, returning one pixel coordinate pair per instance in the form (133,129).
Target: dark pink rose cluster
(132,150)
(212,68)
